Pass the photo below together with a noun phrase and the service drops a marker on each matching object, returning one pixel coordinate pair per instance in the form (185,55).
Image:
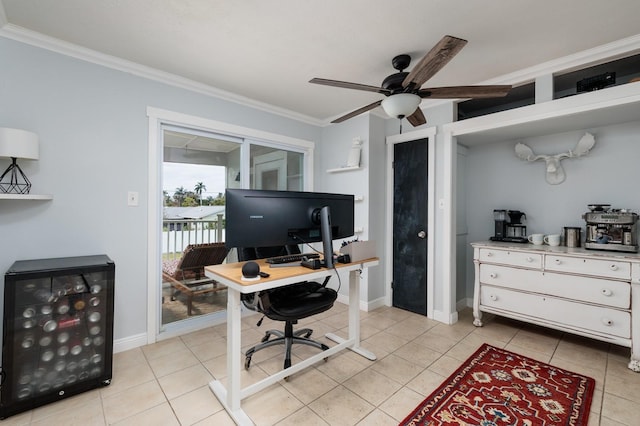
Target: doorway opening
(197,168)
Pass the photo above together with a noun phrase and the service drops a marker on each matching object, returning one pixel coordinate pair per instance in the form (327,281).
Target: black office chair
(289,304)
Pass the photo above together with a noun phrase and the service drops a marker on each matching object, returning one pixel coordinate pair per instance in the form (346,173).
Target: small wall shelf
(26,197)
(343,169)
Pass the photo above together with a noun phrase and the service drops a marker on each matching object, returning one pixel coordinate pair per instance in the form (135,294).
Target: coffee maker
(611,229)
(509,226)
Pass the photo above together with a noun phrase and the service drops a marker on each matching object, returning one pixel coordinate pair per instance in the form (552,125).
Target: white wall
(93,133)
(377,184)
(497,179)
(336,142)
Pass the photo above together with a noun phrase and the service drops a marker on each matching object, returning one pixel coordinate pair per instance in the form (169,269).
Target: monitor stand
(327,237)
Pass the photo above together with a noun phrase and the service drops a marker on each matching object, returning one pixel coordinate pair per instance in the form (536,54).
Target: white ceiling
(268,50)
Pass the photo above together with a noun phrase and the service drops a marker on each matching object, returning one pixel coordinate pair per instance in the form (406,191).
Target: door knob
(422,235)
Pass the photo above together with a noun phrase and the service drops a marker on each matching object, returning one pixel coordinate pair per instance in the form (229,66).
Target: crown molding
(590,57)
(33,38)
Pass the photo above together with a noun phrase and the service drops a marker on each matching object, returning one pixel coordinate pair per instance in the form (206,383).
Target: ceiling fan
(403,89)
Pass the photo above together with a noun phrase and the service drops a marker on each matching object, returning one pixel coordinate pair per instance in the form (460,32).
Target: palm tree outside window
(199,189)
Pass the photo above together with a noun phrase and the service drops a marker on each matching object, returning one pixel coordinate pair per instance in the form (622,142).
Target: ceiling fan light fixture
(401,105)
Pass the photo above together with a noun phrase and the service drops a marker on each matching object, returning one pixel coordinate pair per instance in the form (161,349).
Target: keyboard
(290,259)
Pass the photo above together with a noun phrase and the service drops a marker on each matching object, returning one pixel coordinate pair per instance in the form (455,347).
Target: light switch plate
(132,198)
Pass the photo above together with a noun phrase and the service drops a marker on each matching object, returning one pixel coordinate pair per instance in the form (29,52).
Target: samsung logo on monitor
(256,217)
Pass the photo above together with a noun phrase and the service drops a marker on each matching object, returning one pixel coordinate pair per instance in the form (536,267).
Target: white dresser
(587,292)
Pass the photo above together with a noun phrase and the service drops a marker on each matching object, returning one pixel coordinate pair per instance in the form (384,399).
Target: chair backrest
(260,301)
(196,256)
(291,302)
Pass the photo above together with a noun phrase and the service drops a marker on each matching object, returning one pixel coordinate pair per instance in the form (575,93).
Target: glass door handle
(422,235)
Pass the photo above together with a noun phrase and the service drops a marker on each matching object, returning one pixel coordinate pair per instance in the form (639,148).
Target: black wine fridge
(57,336)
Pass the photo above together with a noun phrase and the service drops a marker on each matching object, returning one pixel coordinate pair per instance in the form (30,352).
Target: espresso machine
(610,229)
(509,226)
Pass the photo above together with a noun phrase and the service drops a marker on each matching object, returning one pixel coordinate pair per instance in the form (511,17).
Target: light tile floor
(166,383)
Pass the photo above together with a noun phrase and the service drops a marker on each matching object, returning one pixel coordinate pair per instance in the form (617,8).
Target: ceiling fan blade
(357,112)
(417,118)
(434,60)
(459,92)
(347,85)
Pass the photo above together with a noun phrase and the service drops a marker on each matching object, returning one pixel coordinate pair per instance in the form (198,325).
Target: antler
(525,153)
(584,145)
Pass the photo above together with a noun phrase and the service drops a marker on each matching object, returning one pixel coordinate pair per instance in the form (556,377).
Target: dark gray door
(410,226)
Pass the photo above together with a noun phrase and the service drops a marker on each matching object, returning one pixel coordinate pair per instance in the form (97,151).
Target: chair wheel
(307,335)
(325,359)
(247,363)
(173,298)
(266,337)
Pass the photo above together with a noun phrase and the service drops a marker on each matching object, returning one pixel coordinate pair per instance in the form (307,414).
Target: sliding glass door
(197,167)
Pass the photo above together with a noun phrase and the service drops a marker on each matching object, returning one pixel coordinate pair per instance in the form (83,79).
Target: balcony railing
(177,234)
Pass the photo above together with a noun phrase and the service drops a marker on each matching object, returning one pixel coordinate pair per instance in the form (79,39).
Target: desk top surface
(232,272)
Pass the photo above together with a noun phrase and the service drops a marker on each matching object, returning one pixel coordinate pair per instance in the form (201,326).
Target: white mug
(552,239)
(536,239)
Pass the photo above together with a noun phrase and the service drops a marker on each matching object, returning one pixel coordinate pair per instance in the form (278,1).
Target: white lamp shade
(16,143)
(401,105)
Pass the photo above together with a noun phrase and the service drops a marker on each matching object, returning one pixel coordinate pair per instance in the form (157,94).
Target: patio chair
(186,274)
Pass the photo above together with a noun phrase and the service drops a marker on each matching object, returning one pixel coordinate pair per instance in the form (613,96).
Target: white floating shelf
(343,169)
(26,197)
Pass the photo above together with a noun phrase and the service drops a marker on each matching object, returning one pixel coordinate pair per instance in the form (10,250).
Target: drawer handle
(493,275)
(529,259)
(613,267)
(489,254)
(493,297)
(558,261)
(606,292)
(607,322)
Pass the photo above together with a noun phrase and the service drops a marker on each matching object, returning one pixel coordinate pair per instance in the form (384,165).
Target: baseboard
(464,303)
(445,318)
(130,342)
(364,306)
(375,304)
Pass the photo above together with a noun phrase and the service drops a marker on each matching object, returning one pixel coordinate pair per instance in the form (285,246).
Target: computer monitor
(265,218)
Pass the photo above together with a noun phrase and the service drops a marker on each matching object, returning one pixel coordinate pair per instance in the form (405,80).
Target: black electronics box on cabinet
(597,82)
(57,338)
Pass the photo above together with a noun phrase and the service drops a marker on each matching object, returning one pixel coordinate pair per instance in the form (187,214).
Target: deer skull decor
(555,172)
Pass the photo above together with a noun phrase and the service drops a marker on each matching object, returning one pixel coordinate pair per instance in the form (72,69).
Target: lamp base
(16,181)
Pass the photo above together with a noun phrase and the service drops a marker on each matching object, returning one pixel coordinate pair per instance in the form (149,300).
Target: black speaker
(250,270)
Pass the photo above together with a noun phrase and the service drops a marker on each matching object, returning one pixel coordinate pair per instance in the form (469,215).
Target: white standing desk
(231,275)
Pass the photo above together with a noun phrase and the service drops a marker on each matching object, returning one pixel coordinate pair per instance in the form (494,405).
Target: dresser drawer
(597,267)
(514,258)
(585,289)
(563,312)
(635,273)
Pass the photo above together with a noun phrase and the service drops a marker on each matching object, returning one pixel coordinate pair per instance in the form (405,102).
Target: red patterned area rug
(495,387)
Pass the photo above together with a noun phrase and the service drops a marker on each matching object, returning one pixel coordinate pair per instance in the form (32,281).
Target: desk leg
(354,318)
(230,397)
